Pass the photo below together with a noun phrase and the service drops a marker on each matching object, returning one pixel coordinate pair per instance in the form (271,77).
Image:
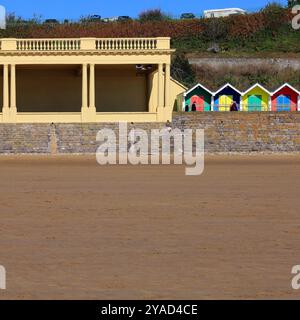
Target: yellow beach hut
(256,98)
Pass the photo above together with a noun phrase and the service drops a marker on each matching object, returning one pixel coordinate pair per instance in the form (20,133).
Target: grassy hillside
(267,31)
(244,77)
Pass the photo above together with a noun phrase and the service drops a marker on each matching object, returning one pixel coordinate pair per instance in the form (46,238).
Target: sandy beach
(72,229)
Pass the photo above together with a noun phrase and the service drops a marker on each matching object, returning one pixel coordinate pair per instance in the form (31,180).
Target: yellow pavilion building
(87,80)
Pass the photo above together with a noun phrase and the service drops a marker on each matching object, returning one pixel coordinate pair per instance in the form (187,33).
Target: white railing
(48,45)
(126,44)
(85,44)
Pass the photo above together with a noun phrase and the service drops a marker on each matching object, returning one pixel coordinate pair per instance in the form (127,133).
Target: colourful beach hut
(256,98)
(197,98)
(285,98)
(225,96)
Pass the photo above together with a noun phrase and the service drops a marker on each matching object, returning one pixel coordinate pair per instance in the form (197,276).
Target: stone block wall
(245,132)
(224,132)
(24,138)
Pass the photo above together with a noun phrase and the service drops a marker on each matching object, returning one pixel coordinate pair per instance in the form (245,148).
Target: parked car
(124,18)
(187,16)
(94,18)
(112,19)
(51,21)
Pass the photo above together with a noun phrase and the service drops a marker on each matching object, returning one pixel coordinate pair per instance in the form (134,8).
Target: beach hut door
(225,102)
(255,103)
(283,103)
(199,102)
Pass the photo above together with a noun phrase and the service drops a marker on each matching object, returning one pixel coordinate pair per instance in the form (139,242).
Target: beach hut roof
(197,86)
(260,86)
(286,85)
(230,86)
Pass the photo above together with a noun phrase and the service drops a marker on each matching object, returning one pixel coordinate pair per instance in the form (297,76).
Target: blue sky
(73,9)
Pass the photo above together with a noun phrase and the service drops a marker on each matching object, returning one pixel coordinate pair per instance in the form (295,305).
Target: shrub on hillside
(243,32)
(274,16)
(182,71)
(245,76)
(152,15)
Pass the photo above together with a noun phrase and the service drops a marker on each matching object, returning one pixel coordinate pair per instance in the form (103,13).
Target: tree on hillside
(275,15)
(152,15)
(215,31)
(292,3)
(182,70)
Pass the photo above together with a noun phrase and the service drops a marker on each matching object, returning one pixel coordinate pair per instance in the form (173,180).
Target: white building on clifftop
(218,13)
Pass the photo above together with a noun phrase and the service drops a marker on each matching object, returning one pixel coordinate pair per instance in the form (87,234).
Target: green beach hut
(198,99)
(256,98)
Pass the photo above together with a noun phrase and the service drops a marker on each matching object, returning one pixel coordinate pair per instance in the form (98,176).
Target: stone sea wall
(224,132)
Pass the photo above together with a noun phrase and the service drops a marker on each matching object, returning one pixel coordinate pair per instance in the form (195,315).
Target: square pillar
(5,108)
(168,107)
(92,102)
(212,105)
(84,107)
(160,93)
(13,99)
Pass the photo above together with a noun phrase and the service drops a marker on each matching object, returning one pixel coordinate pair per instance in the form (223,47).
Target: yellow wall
(48,89)
(177,91)
(152,91)
(120,89)
(1,87)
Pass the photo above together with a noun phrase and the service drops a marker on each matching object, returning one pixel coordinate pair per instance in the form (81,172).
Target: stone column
(84,107)
(168,108)
(160,93)
(92,104)
(5,108)
(13,99)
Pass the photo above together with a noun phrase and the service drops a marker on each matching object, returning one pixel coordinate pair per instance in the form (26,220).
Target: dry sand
(71,229)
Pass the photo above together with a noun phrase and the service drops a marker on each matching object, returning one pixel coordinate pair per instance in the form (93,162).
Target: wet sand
(71,229)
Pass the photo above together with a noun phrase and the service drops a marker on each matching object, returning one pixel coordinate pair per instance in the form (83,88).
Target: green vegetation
(182,71)
(153,15)
(292,3)
(244,77)
(266,31)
